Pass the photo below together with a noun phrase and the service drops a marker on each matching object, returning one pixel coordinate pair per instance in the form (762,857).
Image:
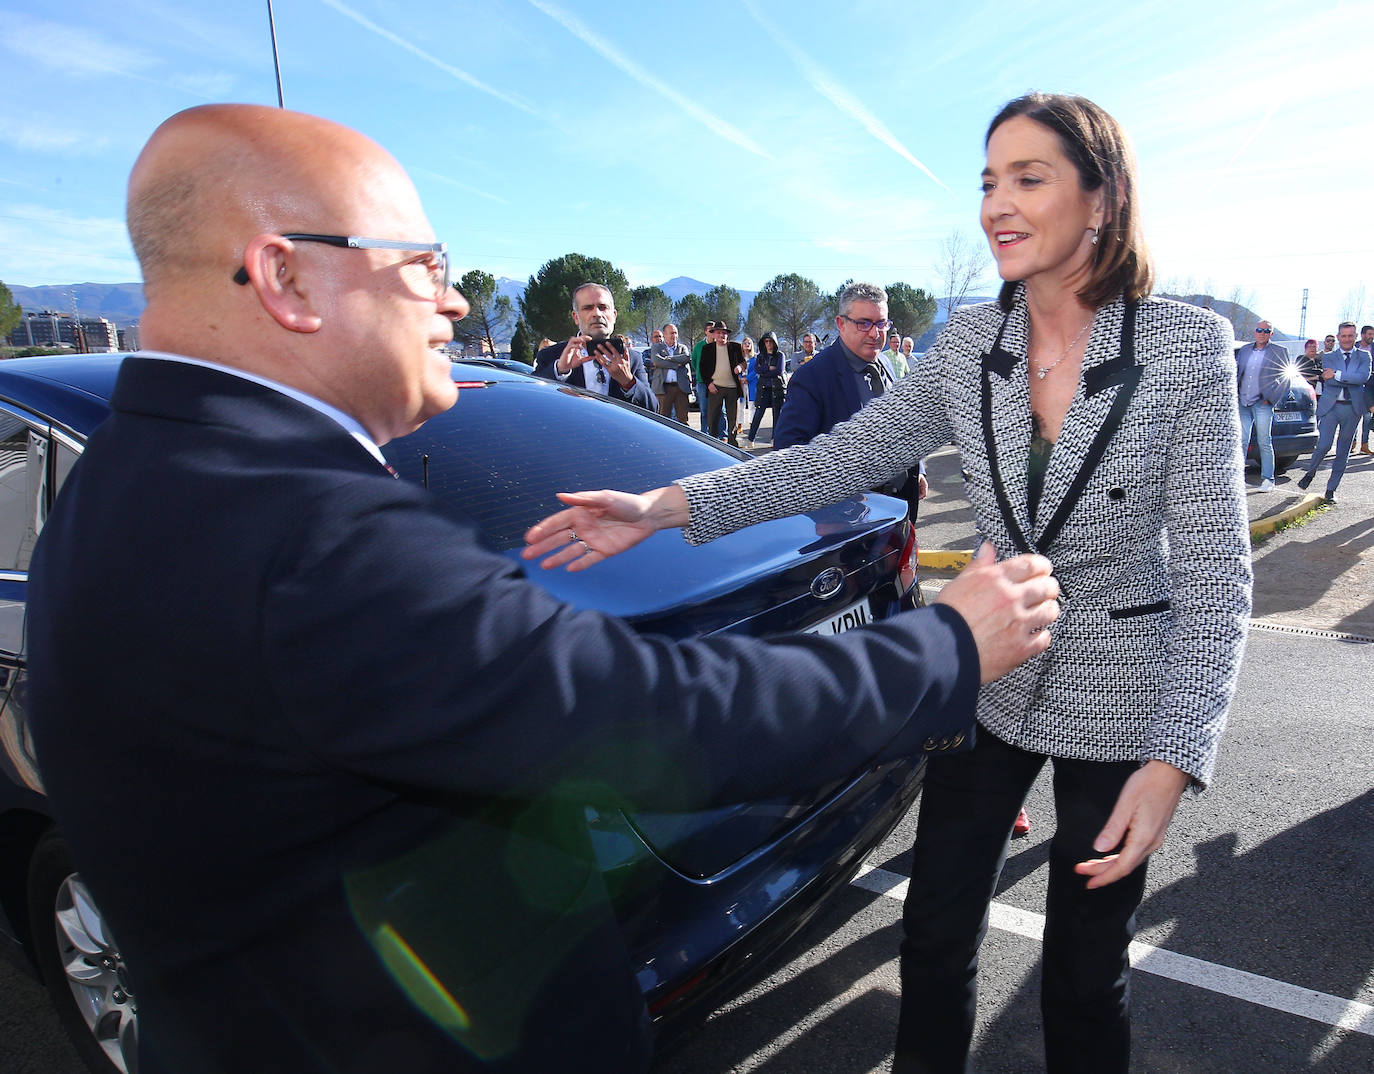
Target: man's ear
(274,273)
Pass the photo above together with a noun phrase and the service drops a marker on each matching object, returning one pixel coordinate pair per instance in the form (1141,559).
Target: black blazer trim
(1121,372)
(1139,609)
(999,361)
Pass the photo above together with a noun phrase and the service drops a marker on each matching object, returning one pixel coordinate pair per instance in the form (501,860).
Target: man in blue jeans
(1260,383)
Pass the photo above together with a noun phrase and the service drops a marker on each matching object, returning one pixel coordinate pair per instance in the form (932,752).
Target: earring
(1094,236)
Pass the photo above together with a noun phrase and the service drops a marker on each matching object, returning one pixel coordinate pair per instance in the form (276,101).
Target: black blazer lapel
(1005,403)
(1110,377)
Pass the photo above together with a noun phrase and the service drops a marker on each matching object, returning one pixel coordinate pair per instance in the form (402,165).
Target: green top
(1036,464)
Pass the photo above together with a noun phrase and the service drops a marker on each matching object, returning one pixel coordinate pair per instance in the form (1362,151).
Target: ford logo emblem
(829,582)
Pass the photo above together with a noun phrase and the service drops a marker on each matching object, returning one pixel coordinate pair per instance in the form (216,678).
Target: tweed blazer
(1142,513)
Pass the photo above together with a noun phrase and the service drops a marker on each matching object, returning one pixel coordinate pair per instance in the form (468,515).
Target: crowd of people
(301,700)
(1337,378)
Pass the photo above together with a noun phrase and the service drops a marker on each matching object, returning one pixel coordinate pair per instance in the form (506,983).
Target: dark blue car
(701,896)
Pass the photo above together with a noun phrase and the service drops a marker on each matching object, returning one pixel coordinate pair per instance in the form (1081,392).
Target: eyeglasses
(437,268)
(866,326)
(1264,331)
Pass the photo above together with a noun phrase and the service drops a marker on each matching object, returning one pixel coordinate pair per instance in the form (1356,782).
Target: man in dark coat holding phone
(594,360)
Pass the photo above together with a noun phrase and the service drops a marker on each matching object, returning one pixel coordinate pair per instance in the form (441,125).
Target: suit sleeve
(1209,568)
(638,393)
(889,435)
(445,669)
(800,417)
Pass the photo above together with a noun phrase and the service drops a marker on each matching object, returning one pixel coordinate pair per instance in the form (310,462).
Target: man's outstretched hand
(1007,606)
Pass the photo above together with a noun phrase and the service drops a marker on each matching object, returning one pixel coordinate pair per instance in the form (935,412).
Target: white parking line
(1277,995)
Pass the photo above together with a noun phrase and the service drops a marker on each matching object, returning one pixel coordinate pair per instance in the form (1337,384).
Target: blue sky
(727,141)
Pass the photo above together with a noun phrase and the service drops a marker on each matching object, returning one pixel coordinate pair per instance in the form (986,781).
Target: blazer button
(930,745)
(1117,493)
(958,740)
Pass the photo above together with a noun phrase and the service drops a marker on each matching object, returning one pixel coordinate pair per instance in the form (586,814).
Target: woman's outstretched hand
(598,525)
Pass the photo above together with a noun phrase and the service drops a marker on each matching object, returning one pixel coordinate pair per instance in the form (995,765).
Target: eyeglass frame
(358,242)
(1264,331)
(859,322)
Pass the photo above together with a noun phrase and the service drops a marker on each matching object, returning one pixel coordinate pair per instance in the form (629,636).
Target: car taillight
(907,565)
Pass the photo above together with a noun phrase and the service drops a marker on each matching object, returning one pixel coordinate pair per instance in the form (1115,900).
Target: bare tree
(492,314)
(962,266)
(1238,308)
(1353,307)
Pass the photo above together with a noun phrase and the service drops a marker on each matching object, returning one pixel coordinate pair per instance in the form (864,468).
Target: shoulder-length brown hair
(1103,157)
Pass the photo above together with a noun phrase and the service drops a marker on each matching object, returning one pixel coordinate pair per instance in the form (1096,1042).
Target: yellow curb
(1262,527)
(957,560)
(939,560)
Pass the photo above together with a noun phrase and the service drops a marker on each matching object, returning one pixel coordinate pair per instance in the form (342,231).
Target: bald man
(284,703)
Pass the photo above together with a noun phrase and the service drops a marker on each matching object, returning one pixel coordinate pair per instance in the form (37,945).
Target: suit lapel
(1006,423)
(1109,378)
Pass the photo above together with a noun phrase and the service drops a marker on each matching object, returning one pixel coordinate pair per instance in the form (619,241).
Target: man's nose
(453,305)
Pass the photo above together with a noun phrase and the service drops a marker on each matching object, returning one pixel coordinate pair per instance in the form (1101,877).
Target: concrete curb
(1262,527)
(956,560)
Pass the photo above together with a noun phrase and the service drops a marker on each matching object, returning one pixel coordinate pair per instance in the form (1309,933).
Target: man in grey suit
(1260,383)
(1345,398)
(671,376)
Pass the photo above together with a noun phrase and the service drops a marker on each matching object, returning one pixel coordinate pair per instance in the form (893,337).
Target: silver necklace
(1043,370)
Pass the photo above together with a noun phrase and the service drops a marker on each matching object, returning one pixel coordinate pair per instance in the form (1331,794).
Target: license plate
(1288,415)
(845,619)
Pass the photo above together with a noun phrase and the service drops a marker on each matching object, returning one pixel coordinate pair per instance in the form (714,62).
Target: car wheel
(80,963)
(1283,462)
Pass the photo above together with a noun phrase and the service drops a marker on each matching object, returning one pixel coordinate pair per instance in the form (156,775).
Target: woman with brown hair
(1098,426)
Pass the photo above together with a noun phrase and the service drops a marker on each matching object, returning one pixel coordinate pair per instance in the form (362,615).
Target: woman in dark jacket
(768,366)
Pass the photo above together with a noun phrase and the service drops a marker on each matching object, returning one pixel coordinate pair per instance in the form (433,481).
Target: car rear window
(504,451)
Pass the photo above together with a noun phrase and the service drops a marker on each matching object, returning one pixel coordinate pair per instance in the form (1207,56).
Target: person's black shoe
(1331,499)
(1305,480)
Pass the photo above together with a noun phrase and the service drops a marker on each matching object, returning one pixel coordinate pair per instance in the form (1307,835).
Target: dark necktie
(874,375)
(1344,396)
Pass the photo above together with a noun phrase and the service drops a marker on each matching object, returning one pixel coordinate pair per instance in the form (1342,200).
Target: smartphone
(593,345)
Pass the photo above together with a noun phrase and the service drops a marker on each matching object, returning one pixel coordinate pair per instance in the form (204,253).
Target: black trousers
(964,827)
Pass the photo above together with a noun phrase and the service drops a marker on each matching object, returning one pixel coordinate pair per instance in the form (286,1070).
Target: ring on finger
(572,536)
(585,546)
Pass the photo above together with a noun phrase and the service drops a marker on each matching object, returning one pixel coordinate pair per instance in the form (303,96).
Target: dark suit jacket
(708,364)
(640,393)
(323,758)
(823,393)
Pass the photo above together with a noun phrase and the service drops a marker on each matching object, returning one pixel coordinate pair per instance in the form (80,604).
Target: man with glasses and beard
(842,378)
(590,359)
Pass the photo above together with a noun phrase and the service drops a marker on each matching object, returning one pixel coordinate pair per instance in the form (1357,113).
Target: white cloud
(68,50)
(439,177)
(710,120)
(39,245)
(836,94)
(449,69)
(30,137)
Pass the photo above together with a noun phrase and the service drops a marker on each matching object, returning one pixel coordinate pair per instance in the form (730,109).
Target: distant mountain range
(123,303)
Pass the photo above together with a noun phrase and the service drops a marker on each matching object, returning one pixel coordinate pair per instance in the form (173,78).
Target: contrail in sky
(593,41)
(461,76)
(840,97)
(454,182)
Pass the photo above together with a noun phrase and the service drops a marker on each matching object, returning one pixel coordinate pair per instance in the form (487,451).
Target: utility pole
(1302,321)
